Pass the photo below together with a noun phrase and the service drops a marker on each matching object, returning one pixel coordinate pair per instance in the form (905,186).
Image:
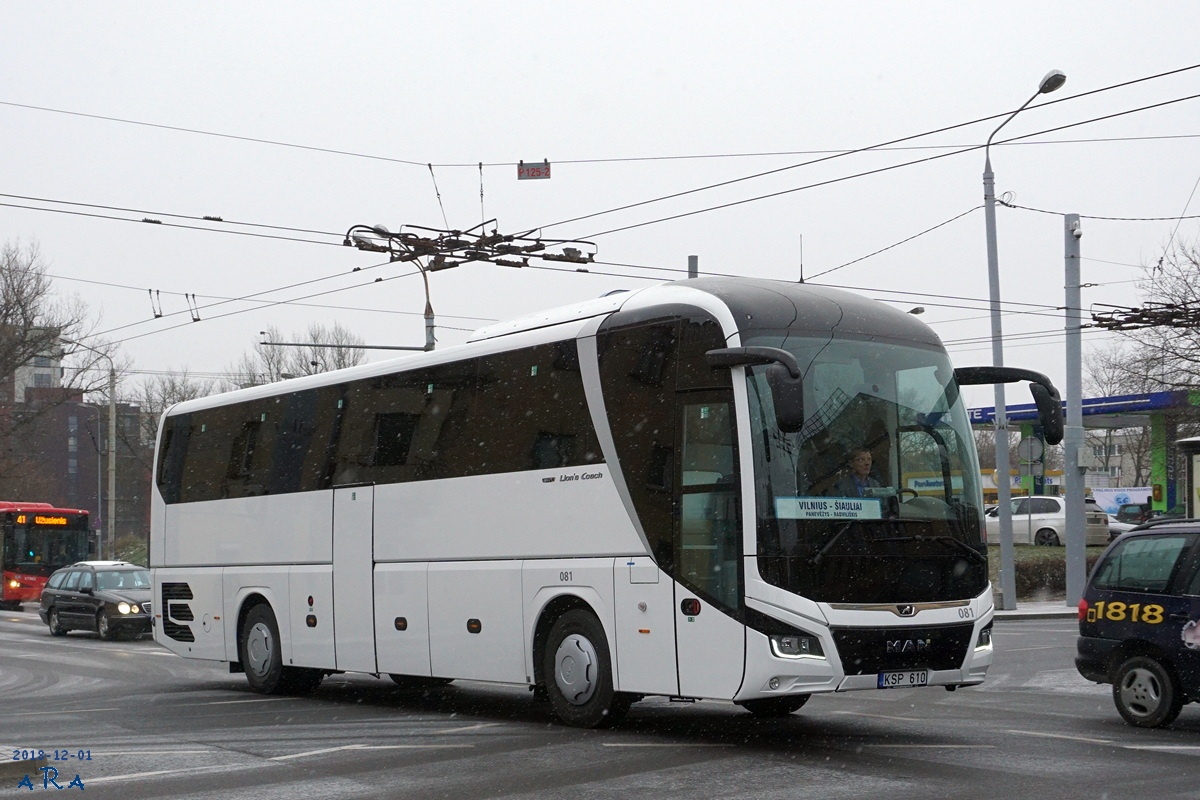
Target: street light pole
(1008,584)
(111,514)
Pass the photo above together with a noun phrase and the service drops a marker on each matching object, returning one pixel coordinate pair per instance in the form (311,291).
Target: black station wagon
(108,597)
(1139,621)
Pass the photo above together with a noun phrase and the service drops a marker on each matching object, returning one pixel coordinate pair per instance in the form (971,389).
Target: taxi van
(1139,621)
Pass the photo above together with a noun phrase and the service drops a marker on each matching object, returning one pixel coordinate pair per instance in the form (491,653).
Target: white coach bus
(645,494)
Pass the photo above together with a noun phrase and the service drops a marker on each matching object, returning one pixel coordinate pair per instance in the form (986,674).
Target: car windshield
(901,526)
(116,580)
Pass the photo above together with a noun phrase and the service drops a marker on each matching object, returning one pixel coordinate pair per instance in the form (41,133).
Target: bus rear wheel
(577,671)
(774,707)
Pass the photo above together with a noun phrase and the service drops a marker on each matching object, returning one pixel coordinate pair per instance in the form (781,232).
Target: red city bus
(35,540)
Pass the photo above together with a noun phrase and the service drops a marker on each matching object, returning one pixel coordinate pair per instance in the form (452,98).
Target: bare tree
(267,363)
(1110,372)
(35,324)
(158,393)
(1167,357)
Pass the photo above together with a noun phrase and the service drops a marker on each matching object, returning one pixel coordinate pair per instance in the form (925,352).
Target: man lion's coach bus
(643,494)
(35,540)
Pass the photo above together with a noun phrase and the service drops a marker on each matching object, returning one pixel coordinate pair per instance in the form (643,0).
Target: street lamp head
(1054,80)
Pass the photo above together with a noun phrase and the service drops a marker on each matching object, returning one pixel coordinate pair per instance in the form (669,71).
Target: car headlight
(124,608)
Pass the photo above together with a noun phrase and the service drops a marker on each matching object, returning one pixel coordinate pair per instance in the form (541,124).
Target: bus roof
(19,505)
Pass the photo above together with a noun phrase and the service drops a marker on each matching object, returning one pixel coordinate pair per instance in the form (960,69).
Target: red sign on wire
(530,172)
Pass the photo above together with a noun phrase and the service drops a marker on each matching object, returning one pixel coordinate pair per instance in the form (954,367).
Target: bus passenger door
(710,636)
(353,579)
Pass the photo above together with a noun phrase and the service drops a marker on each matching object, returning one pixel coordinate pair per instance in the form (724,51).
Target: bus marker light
(474,625)
(643,630)
(401,623)
(690,607)
(311,620)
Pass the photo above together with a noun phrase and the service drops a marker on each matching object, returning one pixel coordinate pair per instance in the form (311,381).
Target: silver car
(1042,519)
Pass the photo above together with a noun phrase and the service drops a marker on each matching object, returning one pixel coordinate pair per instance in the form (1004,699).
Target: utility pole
(1073,432)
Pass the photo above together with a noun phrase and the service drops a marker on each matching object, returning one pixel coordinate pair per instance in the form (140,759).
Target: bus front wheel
(258,650)
(262,659)
(577,671)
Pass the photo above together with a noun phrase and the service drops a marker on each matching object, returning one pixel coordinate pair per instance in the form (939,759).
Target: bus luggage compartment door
(353,578)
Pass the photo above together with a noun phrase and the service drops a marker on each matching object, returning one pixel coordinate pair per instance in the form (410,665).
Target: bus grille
(175,611)
(870,650)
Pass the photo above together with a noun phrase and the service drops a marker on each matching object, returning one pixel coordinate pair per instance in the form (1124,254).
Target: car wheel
(56,628)
(1146,693)
(104,626)
(1046,537)
(774,707)
(577,671)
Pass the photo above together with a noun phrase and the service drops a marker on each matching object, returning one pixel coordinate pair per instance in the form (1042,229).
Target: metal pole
(1073,430)
(112,461)
(693,266)
(1008,580)
(429,338)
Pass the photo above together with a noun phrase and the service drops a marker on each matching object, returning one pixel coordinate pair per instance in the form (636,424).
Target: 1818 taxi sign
(534,171)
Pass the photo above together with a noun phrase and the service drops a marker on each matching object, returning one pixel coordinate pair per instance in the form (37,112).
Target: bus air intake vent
(177,611)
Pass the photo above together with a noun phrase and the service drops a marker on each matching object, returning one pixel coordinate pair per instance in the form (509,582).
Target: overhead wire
(876,171)
(414,162)
(700,189)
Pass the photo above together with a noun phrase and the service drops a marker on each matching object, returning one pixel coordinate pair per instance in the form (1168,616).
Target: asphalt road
(149,724)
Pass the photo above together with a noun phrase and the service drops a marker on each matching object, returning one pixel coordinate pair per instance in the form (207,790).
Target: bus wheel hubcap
(259,646)
(575,669)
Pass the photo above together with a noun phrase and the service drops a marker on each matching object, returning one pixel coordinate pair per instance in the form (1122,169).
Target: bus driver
(857,480)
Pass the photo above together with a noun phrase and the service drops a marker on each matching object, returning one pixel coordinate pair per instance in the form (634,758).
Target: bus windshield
(876,499)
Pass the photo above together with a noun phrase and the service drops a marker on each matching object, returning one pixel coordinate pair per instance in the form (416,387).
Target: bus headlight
(984,642)
(796,646)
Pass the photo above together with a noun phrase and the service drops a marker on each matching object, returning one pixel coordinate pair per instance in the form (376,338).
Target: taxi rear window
(1143,564)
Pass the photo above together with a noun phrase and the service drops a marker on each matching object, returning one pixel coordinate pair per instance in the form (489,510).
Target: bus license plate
(903,680)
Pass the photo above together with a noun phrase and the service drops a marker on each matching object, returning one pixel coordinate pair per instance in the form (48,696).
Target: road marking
(878,716)
(373,747)
(1177,748)
(152,752)
(59,711)
(935,746)
(667,744)
(1023,649)
(1061,736)
(234,702)
(463,730)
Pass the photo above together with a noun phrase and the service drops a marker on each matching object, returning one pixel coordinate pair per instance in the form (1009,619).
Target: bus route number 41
(902,680)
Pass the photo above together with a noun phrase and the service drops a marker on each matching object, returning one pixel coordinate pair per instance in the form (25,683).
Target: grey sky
(460,83)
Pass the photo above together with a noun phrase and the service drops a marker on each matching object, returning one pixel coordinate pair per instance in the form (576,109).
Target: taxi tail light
(1083,609)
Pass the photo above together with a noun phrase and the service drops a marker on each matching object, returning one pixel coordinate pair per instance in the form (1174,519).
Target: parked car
(1042,519)
(1116,528)
(1139,621)
(108,597)
(1135,513)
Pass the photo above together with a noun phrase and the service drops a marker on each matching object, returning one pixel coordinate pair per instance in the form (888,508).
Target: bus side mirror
(1045,396)
(783,377)
(788,396)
